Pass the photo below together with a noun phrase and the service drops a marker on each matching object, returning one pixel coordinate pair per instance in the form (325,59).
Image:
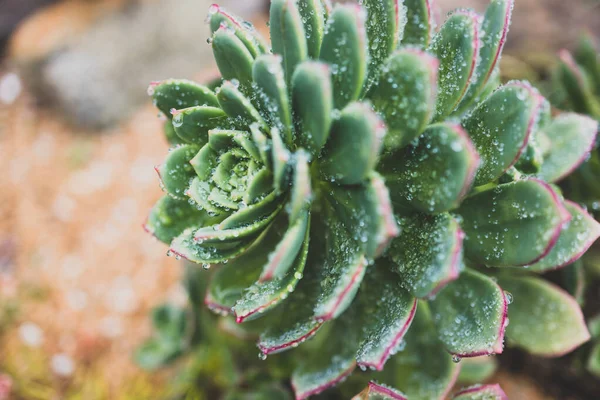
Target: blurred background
(78,142)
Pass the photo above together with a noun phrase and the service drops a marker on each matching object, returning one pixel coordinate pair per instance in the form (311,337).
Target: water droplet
(456,359)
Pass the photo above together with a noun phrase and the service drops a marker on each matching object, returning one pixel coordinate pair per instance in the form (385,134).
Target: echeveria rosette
(286,175)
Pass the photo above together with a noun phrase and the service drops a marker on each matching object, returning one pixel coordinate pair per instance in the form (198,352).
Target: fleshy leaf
(544,319)
(572,137)
(177,172)
(577,86)
(184,246)
(470,315)
(433,175)
(365,211)
(170,217)
(313,16)
(428,253)
(456,46)
(192,124)
(494,31)
(237,106)
(576,237)
(272,94)
(263,296)
(586,55)
(477,369)
(386,312)
(405,95)
(180,93)
(345,49)
(376,391)
(301,189)
(232,56)
(312,100)
(423,370)
(287,34)
(280,159)
(481,392)
(501,126)
(593,362)
(513,224)
(351,152)
(419,23)
(243,29)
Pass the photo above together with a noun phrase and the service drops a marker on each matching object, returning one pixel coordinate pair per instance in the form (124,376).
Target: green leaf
(456,46)
(192,124)
(576,237)
(213,234)
(572,137)
(199,193)
(351,152)
(574,280)
(501,126)
(433,175)
(169,322)
(544,319)
(301,189)
(376,391)
(477,369)
(180,93)
(184,246)
(244,30)
(423,370)
(470,315)
(272,94)
(312,100)
(513,224)
(593,363)
(177,172)
(419,23)
(313,15)
(232,56)
(385,25)
(405,95)
(263,296)
(238,107)
(280,160)
(154,354)
(345,49)
(365,211)
(428,253)
(287,34)
(481,392)
(494,31)
(170,217)
(386,312)
(171,135)
(586,55)
(577,85)
(325,366)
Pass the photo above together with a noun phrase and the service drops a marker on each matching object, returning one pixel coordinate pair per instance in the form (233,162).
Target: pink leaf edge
(385,391)
(493,388)
(279,348)
(324,386)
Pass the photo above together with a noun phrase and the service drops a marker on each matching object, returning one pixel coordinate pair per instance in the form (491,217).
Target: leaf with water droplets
(252,213)
(405,95)
(243,30)
(170,217)
(385,25)
(576,237)
(481,392)
(428,253)
(544,319)
(232,56)
(456,46)
(287,34)
(385,312)
(419,23)
(280,160)
(572,137)
(312,100)
(433,175)
(324,366)
(177,172)
(513,224)
(186,247)
(313,15)
(345,49)
(180,93)
(171,135)
(501,126)
(423,370)
(265,295)
(192,124)
(376,391)
(301,197)
(577,86)
(238,107)
(351,152)
(470,315)
(365,211)
(494,31)
(273,94)
(477,369)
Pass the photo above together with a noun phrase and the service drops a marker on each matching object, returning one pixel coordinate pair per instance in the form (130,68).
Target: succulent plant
(358,180)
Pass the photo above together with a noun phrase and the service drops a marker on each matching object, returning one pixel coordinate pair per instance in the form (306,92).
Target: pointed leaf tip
(377,391)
